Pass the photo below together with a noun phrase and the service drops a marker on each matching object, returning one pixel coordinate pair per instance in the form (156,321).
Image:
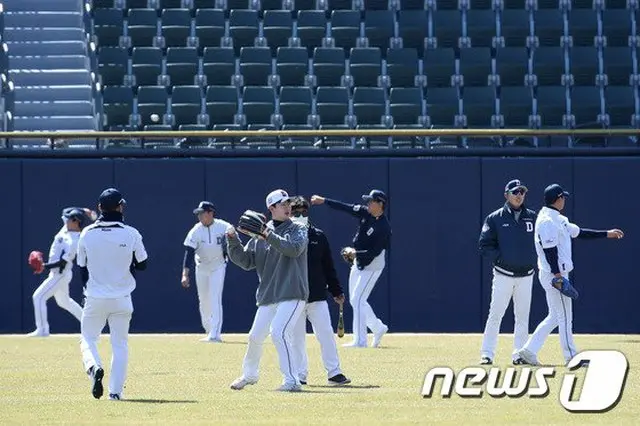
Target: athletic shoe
(353,345)
(339,379)
(290,387)
(519,361)
(528,357)
(241,382)
(485,360)
(38,333)
(114,397)
(378,336)
(96,376)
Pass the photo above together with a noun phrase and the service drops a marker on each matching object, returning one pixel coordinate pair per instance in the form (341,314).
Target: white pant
(560,315)
(210,285)
(56,285)
(280,320)
(318,315)
(503,290)
(97,312)
(361,283)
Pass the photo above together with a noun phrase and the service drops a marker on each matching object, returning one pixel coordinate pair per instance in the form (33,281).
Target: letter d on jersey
(603,384)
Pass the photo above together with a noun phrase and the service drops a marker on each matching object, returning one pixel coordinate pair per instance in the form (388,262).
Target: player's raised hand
(316,200)
(231,233)
(615,233)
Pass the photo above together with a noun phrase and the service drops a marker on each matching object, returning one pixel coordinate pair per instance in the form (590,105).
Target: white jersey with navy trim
(107,250)
(554,230)
(64,246)
(209,243)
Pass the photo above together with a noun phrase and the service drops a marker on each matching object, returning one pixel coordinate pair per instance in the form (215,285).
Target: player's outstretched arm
(353,209)
(243,256)
(291,246)
(589,234)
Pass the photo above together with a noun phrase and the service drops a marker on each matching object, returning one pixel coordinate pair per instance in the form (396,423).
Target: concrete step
(42,19)
(47,5)
(43,109)
(53,93)
(47,48)
(49,62)
(54,123)
(44,34)
(49,77)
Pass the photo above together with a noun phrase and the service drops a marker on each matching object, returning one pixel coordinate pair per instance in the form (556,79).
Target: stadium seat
(516,106)
(108,26)
(402,67)
(255,65)
(118,105)
(304,5)
(292,65)
(368,105)
(278,28)
(142,27)
(151,100)
(475,65)
(222,104)
(186,104)
(243,28)
(439,66)
(616,26)
(311,29)
(146,65)
(295,104)
(405,105)
(379,28)
(218,64)
(443,106)
(620,105)
(481,27)
(549,26)
(413,29)
(176,27)
(345,28)
(548,65)
(365,66)
(332,105)
(551,105)
(583,65)
(209,27)
(328,66)
(112,65)
(479,105)
(412,4)
(182,65)
(618,65)
(583,27)
(447,27)
(585,107)
(514,25)
(258,104)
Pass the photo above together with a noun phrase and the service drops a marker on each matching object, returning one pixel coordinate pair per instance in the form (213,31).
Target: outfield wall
(435,280)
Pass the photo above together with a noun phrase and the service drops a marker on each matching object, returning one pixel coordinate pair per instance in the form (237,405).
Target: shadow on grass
(161,401)
(350,386)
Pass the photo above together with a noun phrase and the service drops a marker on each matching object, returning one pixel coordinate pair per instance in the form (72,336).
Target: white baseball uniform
(320,319)
(554,230)
(107,249)
(361,284)
(209,244)
(64,246)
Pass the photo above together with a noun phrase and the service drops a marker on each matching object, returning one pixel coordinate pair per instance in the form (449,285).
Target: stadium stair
(49,65)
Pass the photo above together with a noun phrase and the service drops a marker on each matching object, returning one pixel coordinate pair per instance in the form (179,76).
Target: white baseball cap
(277,196)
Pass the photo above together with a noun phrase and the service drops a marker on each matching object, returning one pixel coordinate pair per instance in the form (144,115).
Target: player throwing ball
(61,256)
(553,235)
(368,254)
(277,251)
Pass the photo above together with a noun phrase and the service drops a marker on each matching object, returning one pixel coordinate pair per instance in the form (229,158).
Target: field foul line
(391,335)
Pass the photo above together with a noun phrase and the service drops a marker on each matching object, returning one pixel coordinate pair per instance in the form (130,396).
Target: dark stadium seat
(278,28)
(142,27)
(311,29)
(328,66)
(516,106)
(255,65)
(295,104)
(405,105)
(616,26)
(176,27)
(447,27)
(442,106)
(585,106)
(118,105)
(209,27)
(620,105)
(182,65)
(186,104)
(549,26)
(479,105)
(551,105)
(109,25)
(332,105)
(512,65)
(548,65)
(481,27)
(583,26)
(475,65)
(218,64)
(368,105)
(292,65)
(151,100)
(439,66)
(258,104)
(146,65)
(379,28)
(583,65)
(365,66)
(243,28)
(413,27)
(345,28)
(402,67)
(112,65)
(222,104)
(617,65)
(514,24)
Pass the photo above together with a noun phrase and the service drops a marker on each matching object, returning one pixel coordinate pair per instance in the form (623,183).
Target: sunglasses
(518,192)
(300,213)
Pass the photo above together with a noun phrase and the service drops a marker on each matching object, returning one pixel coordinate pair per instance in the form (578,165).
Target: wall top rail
(416,132)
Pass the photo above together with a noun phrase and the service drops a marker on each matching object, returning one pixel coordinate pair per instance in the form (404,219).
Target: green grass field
(175,379)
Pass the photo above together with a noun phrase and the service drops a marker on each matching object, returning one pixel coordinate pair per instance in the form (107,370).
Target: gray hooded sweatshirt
(280,261)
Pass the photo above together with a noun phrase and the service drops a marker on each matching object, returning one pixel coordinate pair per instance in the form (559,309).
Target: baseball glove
(564,286)
(348,254)
(36,261)
(252,223)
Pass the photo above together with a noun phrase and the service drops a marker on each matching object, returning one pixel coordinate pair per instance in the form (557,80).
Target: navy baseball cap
(111,198)
(514,184)
(204,206)
(553,192)
(77,214)
(375,195)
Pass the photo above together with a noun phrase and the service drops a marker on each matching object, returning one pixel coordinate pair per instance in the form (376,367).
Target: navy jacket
(373,235)
(508,243)
(322,272)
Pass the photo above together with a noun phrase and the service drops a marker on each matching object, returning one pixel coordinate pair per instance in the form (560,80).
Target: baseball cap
(375,195)
(76,214)
(277,196)
(111,198)
(553,192)
(204,206)
(514,184)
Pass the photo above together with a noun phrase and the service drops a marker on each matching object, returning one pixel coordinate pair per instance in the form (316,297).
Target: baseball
(155,118)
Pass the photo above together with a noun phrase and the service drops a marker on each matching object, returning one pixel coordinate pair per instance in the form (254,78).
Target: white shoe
(290,387)
(241,382)
(378,336)
(528,356)
(210,339)
(38,333)
(353,345)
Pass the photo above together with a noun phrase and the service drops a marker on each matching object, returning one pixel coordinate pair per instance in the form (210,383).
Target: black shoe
(339,379)
(97,374)
(114,397)
(520,361)
(303,382)
(485,360)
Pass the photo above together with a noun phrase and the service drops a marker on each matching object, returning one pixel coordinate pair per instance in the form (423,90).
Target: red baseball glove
(36,261)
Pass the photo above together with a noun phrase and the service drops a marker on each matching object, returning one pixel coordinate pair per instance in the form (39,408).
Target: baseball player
(322,277)
(109,253)
(553,235)
(205,246)
(370,243)
(278,253)
(61,256)
(507,240)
